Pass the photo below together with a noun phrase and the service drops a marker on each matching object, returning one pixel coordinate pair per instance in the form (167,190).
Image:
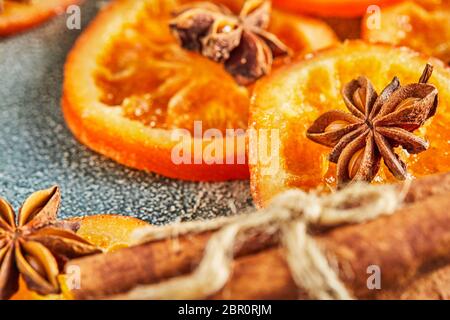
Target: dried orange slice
(291,99)
(17,16)
(331,8)
(423,26)
(129,87)
(108,232)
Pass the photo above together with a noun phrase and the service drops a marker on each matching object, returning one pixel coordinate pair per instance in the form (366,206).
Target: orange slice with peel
(129,88)
(291,99)
(107,232)
(424,27)
(17,16)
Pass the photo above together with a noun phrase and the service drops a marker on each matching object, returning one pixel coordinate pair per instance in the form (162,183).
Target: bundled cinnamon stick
(405,246)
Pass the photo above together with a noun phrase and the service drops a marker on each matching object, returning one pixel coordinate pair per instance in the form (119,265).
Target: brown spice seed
(336,125)
(355,163)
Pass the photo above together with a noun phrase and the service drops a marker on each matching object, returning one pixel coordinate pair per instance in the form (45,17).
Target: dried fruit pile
(147,72)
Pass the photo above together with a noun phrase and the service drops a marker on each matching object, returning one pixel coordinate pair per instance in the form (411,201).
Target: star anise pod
(36,244)
(241,42)
(375,127)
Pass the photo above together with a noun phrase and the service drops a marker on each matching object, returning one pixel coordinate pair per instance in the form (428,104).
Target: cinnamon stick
(434,285)
(271,279)
(404,246)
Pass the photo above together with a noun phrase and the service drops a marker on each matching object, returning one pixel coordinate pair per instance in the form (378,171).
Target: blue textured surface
(37,150)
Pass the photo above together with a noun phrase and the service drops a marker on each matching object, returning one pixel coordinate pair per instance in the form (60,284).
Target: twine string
(291,214)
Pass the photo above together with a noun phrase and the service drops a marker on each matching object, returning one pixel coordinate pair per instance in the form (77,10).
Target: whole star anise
(37,244)
(376,125)
(240,42)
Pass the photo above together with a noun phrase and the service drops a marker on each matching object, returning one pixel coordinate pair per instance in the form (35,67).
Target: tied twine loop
(291,215)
